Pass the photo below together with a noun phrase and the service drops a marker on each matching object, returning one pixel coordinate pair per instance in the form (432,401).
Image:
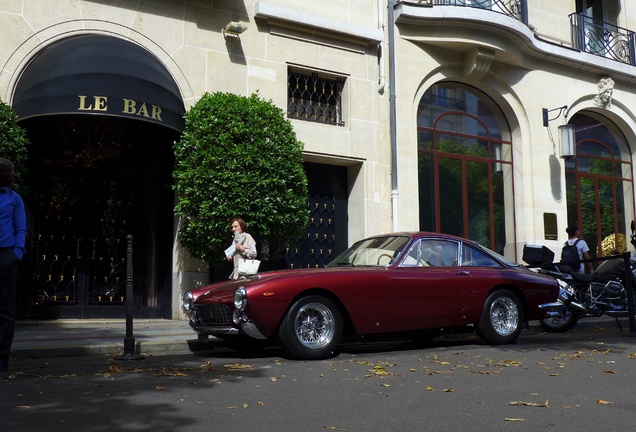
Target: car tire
(311,329)
(501,319)
(560,323)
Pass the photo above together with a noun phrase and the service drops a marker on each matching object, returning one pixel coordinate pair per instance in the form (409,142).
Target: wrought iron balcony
(512,8)
(602,39)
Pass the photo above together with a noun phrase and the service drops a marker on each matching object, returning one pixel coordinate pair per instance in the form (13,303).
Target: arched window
(599,185)
(465,166)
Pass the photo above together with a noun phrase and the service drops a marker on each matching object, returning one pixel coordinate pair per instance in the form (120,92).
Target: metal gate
(317,247)
(78,246)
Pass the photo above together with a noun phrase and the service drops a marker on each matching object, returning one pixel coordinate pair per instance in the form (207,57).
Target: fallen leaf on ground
(172,371)
(604,402)
(208,367)
(379,371)
(534,404)
(237,367)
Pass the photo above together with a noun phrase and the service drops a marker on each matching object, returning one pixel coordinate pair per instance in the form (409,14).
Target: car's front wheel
(312,328)
(501,319)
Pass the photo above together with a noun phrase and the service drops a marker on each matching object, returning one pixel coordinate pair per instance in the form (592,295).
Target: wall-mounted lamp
(567,135)
(567,132)
(497,166)
(546,111)
(234,29)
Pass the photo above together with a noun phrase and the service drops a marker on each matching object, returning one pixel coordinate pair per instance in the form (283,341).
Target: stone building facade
(440,115)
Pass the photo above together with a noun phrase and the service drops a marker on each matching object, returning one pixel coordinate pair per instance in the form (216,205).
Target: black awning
(99,75)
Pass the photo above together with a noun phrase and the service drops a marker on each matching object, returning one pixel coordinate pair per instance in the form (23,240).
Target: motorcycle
(588,295)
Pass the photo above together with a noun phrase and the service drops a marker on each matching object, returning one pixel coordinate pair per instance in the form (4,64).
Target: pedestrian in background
(582,248)
(244,245)
(12,248)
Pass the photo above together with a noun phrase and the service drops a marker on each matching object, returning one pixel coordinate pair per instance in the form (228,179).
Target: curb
(599,323)
(154,347)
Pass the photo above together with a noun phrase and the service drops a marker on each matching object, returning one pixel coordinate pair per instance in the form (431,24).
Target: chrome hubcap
(504,316)
(314,325)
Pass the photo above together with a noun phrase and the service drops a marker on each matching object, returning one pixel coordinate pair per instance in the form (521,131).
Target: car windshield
(376,251)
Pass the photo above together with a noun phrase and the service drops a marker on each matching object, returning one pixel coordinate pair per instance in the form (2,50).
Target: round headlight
(188,299)
(240,298)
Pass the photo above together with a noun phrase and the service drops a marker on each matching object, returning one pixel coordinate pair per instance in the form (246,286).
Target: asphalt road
(580,380)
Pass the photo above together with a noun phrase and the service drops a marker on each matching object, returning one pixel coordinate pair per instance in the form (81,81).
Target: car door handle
(463,273)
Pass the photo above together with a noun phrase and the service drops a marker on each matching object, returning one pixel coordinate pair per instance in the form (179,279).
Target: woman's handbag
(248,267)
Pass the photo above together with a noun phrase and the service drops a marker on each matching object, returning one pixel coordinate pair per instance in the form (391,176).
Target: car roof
(427,234)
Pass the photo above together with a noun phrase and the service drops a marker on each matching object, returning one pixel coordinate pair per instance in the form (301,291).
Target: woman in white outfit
(244,245)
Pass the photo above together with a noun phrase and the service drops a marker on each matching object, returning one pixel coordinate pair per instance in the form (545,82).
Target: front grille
(213,314)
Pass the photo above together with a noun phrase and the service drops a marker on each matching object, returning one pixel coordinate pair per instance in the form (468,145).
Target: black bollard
(129,340)
(629,287)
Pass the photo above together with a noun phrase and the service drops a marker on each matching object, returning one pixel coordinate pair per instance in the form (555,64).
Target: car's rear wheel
(501,319)
(312,328)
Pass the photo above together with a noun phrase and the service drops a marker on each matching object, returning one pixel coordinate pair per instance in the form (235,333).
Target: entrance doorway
(326,234)
(101,113)
(93,182)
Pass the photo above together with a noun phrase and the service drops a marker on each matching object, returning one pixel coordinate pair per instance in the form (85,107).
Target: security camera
(234,29)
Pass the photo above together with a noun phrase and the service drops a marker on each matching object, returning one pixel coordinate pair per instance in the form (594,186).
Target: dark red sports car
(404,283)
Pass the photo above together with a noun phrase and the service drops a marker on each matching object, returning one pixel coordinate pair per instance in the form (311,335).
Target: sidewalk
(68,338)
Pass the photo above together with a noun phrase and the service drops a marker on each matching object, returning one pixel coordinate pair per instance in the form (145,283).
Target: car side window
(414,257)
(425,253)
(473,258)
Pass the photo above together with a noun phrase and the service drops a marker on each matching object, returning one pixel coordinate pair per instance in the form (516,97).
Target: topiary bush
(239,157)
(13,144)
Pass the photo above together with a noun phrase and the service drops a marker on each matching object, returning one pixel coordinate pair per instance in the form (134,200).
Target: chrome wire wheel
(501,318)
(311,328)
(314,325)
(504,316)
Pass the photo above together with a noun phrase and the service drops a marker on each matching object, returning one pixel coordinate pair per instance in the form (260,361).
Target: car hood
(224,291)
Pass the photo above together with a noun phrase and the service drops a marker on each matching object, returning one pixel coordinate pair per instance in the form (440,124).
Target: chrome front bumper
(241,323)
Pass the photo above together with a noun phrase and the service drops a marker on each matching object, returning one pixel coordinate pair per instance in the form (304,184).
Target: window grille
(314,98)
(512,8)
(603,39)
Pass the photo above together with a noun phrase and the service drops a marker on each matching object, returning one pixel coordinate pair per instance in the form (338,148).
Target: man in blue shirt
(12,242)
